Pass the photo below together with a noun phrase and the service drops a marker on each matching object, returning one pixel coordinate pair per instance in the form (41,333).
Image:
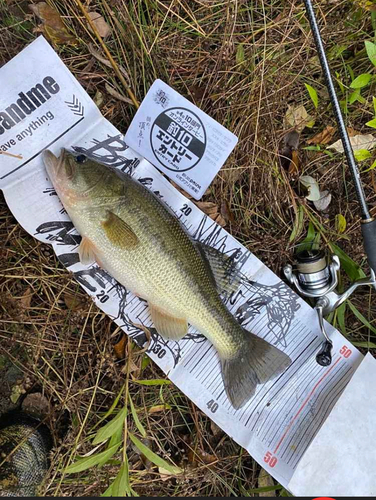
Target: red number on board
(345,351)
(270,459)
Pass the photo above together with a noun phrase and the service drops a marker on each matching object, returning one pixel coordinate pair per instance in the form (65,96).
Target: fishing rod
(315,274)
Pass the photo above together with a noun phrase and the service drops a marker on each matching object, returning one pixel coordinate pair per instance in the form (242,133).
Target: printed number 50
(345,351)
(270,459)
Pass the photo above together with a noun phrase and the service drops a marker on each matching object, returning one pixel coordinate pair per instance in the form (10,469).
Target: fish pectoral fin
(225,271)
(169,327)
(87,252)
(119,232)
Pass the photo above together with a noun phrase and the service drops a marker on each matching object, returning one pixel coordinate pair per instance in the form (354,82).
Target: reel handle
(324,356)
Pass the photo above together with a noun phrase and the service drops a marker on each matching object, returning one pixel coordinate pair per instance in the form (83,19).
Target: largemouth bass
(131,234)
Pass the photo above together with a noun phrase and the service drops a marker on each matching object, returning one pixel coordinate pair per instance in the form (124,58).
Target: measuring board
(278,423)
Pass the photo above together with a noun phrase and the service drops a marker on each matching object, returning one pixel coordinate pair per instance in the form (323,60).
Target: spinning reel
(315,274)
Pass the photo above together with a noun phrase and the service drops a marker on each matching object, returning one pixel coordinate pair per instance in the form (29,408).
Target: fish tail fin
(256,362)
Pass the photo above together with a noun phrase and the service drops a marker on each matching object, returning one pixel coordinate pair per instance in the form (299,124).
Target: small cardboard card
(179,139)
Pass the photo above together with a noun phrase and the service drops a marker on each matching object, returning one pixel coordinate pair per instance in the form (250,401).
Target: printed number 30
(270,459)
(345,351)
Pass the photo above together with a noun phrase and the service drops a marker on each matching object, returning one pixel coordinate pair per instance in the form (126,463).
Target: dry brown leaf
(102,27)
(133,368)
(293,170)
(25,300)
(226,212)
(373,180)
(74,302)
(93,51)
(208,207)
(216,430)
(297,117)
(323,137)
(117,94)
(119,348)
(53,26)
(352,131)
(220,220)
(158,408)
(198,456)
(289,145)
(265,480)
(361,141)
(324,201)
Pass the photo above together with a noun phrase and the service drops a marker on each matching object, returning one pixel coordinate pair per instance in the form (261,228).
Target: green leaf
(374,104)
(341,317)
(264,489)
(156,381)
(111,428)
(136,419)
(313,95)
(108,492)
(360,317)
(361,81)
(341,85)
(371,51)
(354,96)
(340,224)
(115,439)
(371,167)
(88,462)
(240,56)
(298,226)
(362,154)
(145,362)
(351,268)
(153,457)
(311,241)
(121,486)
(113,406)
(371,123)
(368,345)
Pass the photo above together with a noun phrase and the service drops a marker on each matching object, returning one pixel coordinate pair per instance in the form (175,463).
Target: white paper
(277,425)
(341,459)
(179,139)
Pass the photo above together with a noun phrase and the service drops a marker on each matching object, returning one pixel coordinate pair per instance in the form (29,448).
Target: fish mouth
(53,163)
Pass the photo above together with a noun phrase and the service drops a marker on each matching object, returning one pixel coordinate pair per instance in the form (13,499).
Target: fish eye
(81,158)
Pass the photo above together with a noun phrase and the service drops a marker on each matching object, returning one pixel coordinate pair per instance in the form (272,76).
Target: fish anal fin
(169,327)
(87,251)
(224,268)
(119,232)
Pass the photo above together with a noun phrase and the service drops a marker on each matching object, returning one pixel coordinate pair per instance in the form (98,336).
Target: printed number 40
(345,351)
(270,459)
(212,405)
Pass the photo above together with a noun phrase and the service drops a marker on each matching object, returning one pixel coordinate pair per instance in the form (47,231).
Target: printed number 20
(345,351)
(186,209)
(270,459)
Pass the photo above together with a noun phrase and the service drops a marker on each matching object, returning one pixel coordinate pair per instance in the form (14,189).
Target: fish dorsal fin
(87,251)
(119,232)
(224,268)
(169,327)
